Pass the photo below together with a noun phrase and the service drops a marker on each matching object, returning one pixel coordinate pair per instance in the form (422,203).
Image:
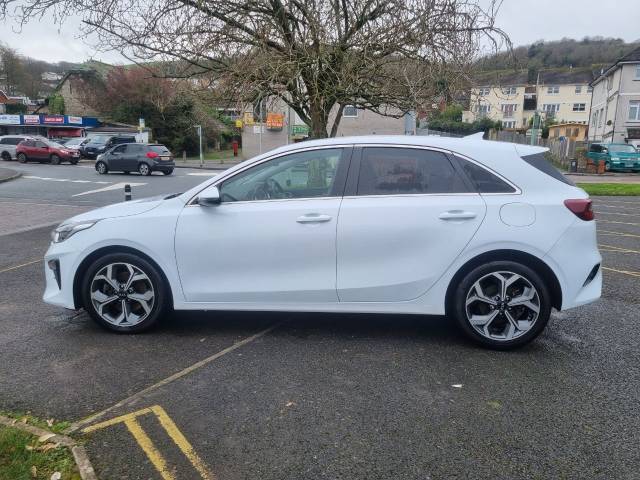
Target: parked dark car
(101,143)
(75,142)
(43,150)
(141,157)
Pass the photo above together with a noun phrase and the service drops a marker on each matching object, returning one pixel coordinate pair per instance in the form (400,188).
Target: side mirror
(209,197)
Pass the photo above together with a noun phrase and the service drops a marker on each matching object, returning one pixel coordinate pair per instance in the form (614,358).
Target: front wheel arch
(93,256)
(536,264)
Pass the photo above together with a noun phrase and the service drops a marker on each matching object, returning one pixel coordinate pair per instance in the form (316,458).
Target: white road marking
(203,174)
(49,179)
(115,186)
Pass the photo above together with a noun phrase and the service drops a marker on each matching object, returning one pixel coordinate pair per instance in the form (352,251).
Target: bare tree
(388,56)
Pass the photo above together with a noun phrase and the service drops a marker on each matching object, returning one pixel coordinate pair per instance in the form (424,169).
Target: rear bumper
(574,257)
(163,166)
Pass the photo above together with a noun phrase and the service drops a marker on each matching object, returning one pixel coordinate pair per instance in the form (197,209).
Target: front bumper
(59,286)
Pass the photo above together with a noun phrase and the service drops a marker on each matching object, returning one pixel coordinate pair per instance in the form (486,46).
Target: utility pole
(260,124)
(536,117)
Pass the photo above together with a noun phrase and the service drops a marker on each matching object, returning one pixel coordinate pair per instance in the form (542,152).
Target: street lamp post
(199,127)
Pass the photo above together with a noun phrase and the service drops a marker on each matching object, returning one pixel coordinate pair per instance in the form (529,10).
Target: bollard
(127,192)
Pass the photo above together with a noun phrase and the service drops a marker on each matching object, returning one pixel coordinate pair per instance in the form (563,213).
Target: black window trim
(339,185)
(351,190)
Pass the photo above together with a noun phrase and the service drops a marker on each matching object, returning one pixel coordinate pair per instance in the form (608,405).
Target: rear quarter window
(159,149)
(483,179)
(538,161)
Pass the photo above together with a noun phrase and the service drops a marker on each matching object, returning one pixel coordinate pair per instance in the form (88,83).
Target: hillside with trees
(588,52)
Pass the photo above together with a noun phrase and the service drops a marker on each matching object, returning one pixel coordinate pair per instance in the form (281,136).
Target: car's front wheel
(124,293)
(502,305)
(168,172)
(607,166)
(55,160)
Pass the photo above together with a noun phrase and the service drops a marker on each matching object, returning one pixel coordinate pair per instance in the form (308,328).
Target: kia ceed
(487,233)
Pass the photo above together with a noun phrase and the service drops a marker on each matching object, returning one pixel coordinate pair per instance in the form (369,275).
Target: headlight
(62,232)
(100,157)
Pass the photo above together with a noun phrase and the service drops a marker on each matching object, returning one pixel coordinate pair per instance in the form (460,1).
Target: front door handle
(456,215)
(313,218)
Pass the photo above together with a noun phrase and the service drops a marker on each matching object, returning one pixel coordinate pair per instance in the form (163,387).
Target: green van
(616,156)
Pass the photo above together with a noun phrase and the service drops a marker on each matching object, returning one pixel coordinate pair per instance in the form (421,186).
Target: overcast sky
(524,22)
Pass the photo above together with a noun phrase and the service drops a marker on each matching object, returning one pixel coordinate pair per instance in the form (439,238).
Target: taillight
(582,208)
(152,155)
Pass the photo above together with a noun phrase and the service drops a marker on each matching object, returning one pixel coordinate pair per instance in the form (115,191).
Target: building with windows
(615,106)
(514,98)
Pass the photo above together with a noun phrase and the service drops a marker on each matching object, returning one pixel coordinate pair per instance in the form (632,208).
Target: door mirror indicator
(209,197)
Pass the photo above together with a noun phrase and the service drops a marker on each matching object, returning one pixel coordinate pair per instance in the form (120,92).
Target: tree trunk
(319,120)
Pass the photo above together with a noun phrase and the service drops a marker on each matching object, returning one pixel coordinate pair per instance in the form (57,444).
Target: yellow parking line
(598,212)
(149,448)
(15,267)
(182,443)
(614,221)
(617,234)
(626,272)
(120,419)
(613,248)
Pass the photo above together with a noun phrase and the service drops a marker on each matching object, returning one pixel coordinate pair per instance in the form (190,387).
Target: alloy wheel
(122,294)
(502,306)
(144,169)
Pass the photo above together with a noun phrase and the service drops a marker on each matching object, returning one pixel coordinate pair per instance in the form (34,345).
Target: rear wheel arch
(531,261)
(93,256)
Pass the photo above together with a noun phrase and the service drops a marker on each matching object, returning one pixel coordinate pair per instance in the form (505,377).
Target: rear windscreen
(159,149)
(538,161)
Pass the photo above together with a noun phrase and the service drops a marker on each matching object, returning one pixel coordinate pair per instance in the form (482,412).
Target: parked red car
(43,150)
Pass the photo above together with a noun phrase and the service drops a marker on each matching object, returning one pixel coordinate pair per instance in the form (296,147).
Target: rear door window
(397,171)
(134,149)
(483,179)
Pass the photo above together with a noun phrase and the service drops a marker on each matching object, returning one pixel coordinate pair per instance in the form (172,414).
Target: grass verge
(24,457)
(216,155)
(613,189)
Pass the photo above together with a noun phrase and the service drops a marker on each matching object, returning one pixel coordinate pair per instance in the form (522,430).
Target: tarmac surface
(313,396)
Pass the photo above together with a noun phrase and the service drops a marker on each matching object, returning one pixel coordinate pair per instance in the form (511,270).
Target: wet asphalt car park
(312,396)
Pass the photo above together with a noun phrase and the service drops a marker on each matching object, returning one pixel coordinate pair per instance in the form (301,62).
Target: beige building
(563,94)
(280,125)
(615,107)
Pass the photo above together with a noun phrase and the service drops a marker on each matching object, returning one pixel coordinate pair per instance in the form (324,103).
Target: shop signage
(31,119)
(238,123)
(248,118)
(275,121)
(10,119)
(53,119)
(302,130)
(74,119)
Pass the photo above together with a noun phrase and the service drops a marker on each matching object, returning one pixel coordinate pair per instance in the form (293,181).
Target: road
(314,396)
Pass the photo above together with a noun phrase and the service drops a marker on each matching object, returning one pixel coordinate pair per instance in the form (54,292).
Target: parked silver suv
(8,144)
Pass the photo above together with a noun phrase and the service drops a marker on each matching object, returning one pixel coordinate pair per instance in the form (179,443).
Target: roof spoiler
(475,136)
(524,150)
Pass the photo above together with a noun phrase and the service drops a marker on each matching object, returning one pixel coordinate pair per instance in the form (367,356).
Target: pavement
(7,174)
(209,164)
(325,396)
(604,178)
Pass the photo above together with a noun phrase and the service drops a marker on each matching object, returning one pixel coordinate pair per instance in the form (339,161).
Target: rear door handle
(456,215)
(313,218)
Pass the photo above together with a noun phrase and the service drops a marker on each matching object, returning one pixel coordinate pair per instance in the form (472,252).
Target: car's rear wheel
(22,158)
(55,160)
(124,293)
(6,157)
(144,169)
(168,172)
(502,305)
(73,161)
(102,168)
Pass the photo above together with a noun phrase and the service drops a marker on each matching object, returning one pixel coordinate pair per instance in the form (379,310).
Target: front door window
(307,174)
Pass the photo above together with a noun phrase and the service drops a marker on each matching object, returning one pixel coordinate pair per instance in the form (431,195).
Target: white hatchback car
(487,233)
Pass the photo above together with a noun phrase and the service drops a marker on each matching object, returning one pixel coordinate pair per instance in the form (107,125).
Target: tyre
(123,292)
(168,172)
(55,160)
(102,168)
(144,169)
(127,172)
(73,161)
(22,158)
(607,166)
(502,305)
(6,156)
